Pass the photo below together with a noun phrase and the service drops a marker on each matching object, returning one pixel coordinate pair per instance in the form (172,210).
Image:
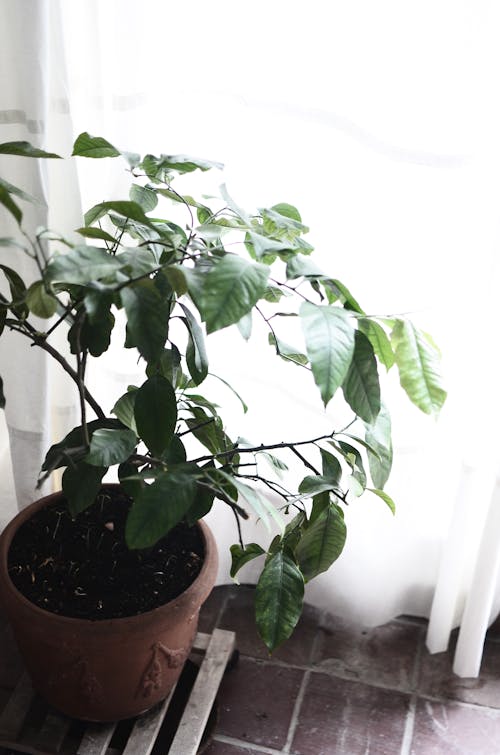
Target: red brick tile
(438,680)
(382,655)
(239,616)
(494,629)
(211,608)
(349,718)
(454,729)
(256,702)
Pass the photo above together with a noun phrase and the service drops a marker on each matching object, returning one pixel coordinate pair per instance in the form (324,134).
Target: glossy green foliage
(177,268)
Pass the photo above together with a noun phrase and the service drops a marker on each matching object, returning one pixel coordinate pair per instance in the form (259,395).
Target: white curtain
(380,122)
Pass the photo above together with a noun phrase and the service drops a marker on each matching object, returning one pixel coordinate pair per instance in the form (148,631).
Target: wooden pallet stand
(27,725)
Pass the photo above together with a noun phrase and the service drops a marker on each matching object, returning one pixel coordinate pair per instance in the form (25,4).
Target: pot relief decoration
(86,682)
(153,675)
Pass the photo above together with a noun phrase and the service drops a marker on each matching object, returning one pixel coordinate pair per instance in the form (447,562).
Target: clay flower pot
(110,669)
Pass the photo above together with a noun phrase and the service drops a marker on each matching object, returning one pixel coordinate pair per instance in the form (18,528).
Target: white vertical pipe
(450,579)
(477,611)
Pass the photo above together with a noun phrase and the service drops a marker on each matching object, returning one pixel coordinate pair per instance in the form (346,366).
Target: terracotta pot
(111,669)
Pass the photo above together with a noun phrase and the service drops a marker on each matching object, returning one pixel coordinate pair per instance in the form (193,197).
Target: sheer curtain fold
(378,122)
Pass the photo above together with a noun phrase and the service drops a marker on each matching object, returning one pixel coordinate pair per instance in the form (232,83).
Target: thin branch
(287,358)
(81,361)
(196,427)
(304,460)
(269,447)
(238,526)
(40,340)
(181,198)
(62,318)
(295,289)
(151,460)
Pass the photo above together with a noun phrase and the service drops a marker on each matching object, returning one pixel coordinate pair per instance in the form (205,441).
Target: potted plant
(173,283)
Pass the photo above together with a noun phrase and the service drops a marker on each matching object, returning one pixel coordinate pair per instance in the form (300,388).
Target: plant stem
(40,340)
(81,361)
(270,447)
(304,460)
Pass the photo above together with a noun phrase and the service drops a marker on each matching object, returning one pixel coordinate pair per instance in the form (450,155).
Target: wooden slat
(52,733)
(50,737)
(143,736)
(96,739)
(14,713)
(194,719)
(201,641)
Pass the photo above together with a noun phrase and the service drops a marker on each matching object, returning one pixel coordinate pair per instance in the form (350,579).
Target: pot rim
(12,594)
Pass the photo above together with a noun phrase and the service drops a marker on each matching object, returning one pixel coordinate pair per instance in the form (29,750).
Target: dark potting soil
(82,567)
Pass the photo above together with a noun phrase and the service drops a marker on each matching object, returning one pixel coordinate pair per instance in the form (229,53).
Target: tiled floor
(337,689)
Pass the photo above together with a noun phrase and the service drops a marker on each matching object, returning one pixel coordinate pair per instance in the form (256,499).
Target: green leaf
(9,241)
(203,213)
(196,354)
(39,301)
(386,498)
(11,189)
(321,502)
(241,556)
(229,291)
(156,413)
(361,386)
(159,507)
(260,504)
(293,533)
(145,197)
(301,266)
(321,543)
(93,146)
(419,367)
(138,262)
(2,395)
(147,319)
(273,294)
(378,436)
(276,464)
(202,504)
(80,484)
(331,467)
(355,461)
(129,210)
(233,391)
(109,446)
(127,475)
(24,149)
(278,600)
(96,233)
(336,291)
(10,205)
(330,345)
(314,484)
(94,336)
(168,365)
(287,352)
(17,291)
(124,409)
(245,326)
(159,167)
(379,340)
(82,265)
(288,211)
(208,431)
(72,446)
